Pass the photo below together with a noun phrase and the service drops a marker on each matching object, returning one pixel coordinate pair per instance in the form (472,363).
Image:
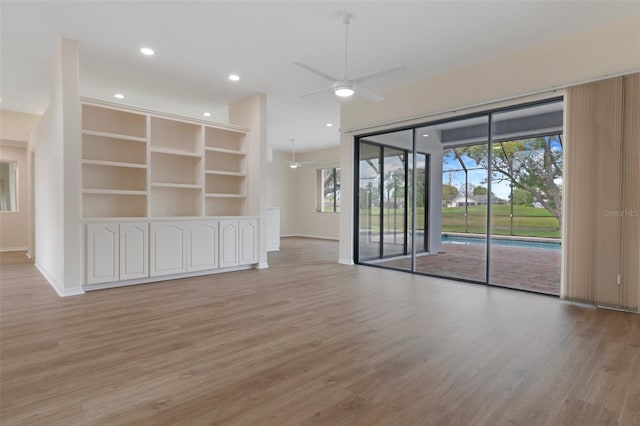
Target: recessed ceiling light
(329,125)
(207,114)
(118,96)
(425,135)
(147,51)
(234,77)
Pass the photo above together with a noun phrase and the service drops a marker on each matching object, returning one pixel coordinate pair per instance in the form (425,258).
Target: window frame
(320,196)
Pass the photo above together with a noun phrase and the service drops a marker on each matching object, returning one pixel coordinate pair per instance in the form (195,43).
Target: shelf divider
(114,136)
(114,164)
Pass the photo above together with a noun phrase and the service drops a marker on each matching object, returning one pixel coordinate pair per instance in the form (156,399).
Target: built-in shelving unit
(114,163)
(141,164)
(176,168)
(162,196)
(225,172)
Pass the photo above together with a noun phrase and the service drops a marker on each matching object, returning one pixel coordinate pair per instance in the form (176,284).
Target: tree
(533,165)
(449,193)
(420,186)
(522,197)
(479,190)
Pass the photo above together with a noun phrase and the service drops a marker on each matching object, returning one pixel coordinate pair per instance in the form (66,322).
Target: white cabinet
(238,242)
(248,241)
(228,243)
(102,261)
(134,250)
(203,245)
(168,248)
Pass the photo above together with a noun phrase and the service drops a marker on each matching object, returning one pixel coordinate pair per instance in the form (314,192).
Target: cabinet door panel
(203,246)
(134,251)
(168,248)
(228,243)
(248,241)
(102,253)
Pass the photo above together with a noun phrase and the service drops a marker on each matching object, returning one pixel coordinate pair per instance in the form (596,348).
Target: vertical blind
(602,193)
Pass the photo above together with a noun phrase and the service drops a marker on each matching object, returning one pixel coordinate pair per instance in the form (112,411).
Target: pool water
(551,245)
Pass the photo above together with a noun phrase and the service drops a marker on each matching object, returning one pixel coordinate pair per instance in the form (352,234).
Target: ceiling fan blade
(385,71)
(367,94)
(316,71)
(325,89)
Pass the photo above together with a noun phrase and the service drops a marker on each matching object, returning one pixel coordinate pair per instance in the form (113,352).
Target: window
(8,200)
(328,190)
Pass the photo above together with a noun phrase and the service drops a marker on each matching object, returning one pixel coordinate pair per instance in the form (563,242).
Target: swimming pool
(549,245)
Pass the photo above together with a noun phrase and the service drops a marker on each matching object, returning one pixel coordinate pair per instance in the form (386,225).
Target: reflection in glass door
(369,202)
(394,202)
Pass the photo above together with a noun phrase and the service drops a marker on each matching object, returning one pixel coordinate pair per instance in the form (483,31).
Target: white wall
(294,191)
(310,222)
(56,143)
(15,131)
(47,144)
(14,226)
(587,55)
(281,187)
(17,126)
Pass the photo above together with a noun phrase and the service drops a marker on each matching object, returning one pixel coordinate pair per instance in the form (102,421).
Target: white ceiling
(198,44)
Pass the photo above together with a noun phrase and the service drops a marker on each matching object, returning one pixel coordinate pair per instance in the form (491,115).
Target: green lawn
(527,221)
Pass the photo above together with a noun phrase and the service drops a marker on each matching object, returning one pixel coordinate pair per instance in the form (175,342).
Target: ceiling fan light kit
(293,163)
(345,87)
(343,90)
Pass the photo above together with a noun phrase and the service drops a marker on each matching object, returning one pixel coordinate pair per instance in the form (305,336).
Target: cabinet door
(102,253)
(168,248)
(134,250)
(228,243)
(203,245)
(248,241)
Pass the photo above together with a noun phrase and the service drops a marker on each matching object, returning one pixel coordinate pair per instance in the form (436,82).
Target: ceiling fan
(345,86)
(293,163)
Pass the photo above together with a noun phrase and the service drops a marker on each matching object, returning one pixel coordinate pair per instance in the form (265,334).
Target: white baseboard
(262,265)
(73,291)
(317,237)
(3,249)
(62,292)
(346,262)
(148,280)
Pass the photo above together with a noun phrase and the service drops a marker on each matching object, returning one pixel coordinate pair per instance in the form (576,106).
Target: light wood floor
(309,341)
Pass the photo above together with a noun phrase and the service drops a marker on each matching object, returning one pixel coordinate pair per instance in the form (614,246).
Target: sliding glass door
(477,199)
(385,173)
(526,198)
(459,248)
